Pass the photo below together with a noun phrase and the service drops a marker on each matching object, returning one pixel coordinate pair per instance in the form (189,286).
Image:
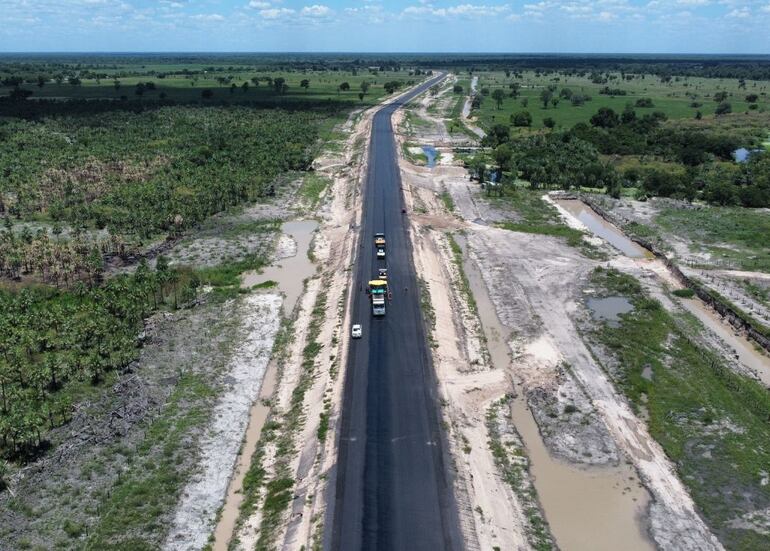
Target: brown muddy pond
(601,228)
(289,273)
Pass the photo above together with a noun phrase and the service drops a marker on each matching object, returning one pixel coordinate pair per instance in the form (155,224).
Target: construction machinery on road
(378,292)
(379,244)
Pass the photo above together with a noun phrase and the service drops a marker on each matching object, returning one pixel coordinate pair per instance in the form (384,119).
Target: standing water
(596,508)
(603,229)
(431,154)
(608,309)
(291,272)
(745,351)
(290,275)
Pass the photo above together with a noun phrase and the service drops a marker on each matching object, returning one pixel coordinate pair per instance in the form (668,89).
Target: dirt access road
(392,489)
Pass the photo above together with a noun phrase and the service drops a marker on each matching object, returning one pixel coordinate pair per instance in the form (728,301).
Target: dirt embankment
(218,447)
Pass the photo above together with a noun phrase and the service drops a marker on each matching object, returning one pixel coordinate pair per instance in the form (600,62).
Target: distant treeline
(44,107)
(755,67)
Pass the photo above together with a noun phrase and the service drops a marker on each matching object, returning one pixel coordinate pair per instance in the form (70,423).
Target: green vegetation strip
(513,464)
(736,237)
(465,286)
(712,422)
(313,186)
(536,216)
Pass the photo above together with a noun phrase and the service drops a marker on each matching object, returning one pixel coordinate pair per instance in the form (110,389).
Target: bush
(644,102)
(605,118)
(521,119)
(684,293)
(723,108)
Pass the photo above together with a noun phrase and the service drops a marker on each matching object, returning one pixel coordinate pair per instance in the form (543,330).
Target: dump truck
(378,292)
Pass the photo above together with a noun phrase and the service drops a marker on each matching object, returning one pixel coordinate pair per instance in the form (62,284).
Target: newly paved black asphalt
(392,487)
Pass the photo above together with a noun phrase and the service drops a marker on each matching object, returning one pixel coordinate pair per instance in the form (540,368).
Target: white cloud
(316,10)
(461,10)
(276,13)
(740,13)
(693,2)
(258,5)
(207,17)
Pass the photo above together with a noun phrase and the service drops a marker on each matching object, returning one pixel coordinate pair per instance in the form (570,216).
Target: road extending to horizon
(393,489)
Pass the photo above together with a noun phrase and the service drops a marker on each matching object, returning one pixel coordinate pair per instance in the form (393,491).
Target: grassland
(711,422)
(674,98)
(533,215)
(733,235)
(232,86)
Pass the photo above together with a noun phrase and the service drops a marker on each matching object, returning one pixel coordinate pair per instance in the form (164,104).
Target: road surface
(393,489)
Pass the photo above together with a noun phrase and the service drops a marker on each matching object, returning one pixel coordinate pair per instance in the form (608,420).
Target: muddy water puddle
(599,508)
(745,351)
(601,228)
(290,274)
(609,309)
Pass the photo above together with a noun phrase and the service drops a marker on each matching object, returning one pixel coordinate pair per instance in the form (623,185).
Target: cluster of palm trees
(59,261)
(180,165)
(51,338)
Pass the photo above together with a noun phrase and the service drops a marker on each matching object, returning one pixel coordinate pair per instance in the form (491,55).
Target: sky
(579,26)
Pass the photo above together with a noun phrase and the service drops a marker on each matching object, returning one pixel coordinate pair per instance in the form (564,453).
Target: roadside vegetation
(529,213)
(630,133)
(134,194)
(510,457)
(711,422)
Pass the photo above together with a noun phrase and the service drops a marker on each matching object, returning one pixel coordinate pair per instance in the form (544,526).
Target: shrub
(521,119)
(723,108)
(684,293)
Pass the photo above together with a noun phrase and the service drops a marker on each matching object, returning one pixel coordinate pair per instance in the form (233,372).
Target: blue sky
(655,26)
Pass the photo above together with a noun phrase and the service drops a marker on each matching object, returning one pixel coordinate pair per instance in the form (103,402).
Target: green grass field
(673,98)
(323,86)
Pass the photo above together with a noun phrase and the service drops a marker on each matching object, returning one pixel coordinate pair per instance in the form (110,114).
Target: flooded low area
(597,508)
(431,154)
(745,351)
(601,228)
(289,273)
(608,309)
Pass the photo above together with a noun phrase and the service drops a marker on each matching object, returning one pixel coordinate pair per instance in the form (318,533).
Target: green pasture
(323,86)
(674,98)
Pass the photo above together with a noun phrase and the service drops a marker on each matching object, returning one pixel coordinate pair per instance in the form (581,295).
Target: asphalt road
(393,486)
